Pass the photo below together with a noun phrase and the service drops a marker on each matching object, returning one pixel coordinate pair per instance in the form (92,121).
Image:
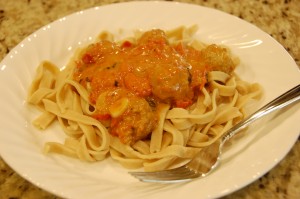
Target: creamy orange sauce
(137,76)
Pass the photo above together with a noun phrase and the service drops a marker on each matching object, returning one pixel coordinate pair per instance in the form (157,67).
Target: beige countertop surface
(279,18)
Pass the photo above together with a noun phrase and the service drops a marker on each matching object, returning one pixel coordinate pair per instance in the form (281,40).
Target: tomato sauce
(140,75)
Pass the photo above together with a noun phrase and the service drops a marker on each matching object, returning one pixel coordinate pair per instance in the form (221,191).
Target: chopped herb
(112,66)
(190,76)
(151,102)
(116,84)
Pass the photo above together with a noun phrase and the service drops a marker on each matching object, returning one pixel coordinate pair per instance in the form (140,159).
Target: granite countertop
(279,18)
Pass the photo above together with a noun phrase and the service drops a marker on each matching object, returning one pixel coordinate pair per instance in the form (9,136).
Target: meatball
(137,122)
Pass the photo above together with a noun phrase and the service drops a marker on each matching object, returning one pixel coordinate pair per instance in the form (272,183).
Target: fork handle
(287,98)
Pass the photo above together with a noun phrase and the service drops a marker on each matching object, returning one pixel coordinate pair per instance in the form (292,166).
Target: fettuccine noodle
(179,133)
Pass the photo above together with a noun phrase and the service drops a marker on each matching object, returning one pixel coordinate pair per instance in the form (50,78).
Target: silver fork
(209,157)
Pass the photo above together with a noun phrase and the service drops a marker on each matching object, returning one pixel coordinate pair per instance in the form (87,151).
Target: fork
(209,157)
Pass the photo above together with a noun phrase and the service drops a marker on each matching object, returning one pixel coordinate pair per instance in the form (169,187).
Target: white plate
(263,61)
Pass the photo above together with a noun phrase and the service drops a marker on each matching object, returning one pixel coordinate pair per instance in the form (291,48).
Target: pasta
(170,96)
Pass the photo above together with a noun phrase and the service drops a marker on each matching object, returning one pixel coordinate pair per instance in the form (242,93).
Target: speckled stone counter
(279,18)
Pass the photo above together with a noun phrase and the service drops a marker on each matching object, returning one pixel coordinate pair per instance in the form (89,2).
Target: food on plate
(150,100)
